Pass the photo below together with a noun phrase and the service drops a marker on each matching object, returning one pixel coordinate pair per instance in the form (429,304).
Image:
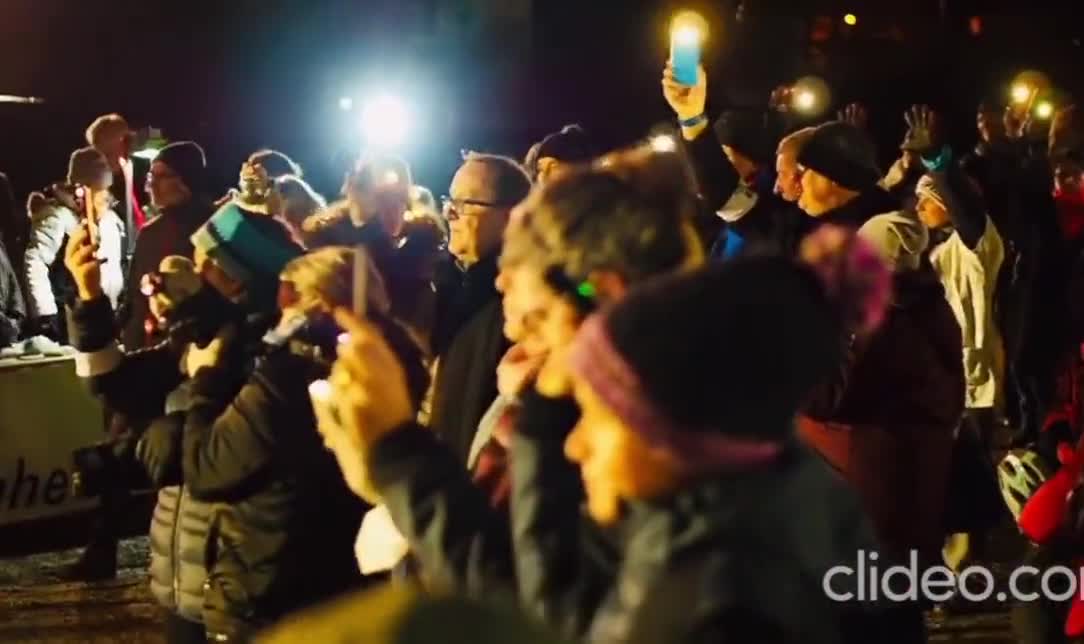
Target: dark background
(236,75)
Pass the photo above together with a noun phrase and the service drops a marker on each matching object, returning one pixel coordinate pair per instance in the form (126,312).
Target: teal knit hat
(249,247)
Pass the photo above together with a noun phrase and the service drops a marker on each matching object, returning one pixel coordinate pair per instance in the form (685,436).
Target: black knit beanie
(842,153)
(186,158)
(734,349)
(570,145)
(713,366)
(751,133)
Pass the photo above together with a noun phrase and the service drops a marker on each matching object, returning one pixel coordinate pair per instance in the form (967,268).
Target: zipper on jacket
(175,551)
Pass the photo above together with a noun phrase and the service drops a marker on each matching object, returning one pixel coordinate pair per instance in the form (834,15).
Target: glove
(160,449)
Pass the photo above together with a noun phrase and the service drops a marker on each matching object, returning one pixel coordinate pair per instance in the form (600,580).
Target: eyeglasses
(453,208)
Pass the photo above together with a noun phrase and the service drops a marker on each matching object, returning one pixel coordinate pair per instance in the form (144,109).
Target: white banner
(45,414)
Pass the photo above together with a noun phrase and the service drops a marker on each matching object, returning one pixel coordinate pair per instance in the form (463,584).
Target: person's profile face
(476,221)
(616,464)
(788,181)
(817,191)
(165,186)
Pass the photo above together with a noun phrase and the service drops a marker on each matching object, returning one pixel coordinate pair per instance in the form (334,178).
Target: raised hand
(686,101)
(855,114)
(923,129)
(80,258)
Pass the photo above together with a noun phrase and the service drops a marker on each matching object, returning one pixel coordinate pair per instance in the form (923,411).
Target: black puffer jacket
(285,521)
(738,557)
(147,385)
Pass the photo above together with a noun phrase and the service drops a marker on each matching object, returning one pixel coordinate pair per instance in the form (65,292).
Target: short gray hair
(511,182)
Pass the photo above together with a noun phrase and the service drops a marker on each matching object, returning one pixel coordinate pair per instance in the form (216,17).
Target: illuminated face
(932,214)
(615,462)
(476,222)
(166,187)
(818,193)
(524,298)
(788,181)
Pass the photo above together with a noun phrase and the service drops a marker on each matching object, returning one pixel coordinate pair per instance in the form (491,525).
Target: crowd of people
(642,395)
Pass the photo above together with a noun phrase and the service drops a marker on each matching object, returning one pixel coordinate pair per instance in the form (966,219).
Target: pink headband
(595,359)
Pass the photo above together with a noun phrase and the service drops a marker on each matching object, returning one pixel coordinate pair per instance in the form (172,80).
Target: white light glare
(663,143)
(385,121)
(688,36)
(805,100)
(147,154)
(346,103)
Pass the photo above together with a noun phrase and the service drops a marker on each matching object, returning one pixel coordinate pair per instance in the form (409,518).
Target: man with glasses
(57,212)
(467,337)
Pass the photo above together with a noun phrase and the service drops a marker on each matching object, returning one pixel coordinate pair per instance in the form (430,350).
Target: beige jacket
(970,278)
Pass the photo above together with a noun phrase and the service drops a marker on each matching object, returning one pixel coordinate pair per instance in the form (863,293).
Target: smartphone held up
(687,33)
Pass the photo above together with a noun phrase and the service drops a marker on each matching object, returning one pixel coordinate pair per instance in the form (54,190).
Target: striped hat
(249,247)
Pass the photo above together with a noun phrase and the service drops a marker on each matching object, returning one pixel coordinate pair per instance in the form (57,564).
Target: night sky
(239,74)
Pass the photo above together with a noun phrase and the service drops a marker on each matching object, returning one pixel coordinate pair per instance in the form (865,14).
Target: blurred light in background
(346,103)
(1044,110)
(663,143)
(1021,93)
(810,96)
(850,19)
(385,121)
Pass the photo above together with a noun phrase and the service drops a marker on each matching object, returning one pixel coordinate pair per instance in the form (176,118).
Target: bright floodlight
(1044,110)
(346,103)
(805,100)
(385,121)
(850,19)
(663,143)
(1021,93)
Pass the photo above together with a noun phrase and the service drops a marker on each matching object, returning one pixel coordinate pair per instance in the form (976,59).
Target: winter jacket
(12,307)
(179,524)
(886,419)
(469,342)
(739,556)
(167,234)
(284,521)
(457,538)
(969,274)
(46,276)
(740,215)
